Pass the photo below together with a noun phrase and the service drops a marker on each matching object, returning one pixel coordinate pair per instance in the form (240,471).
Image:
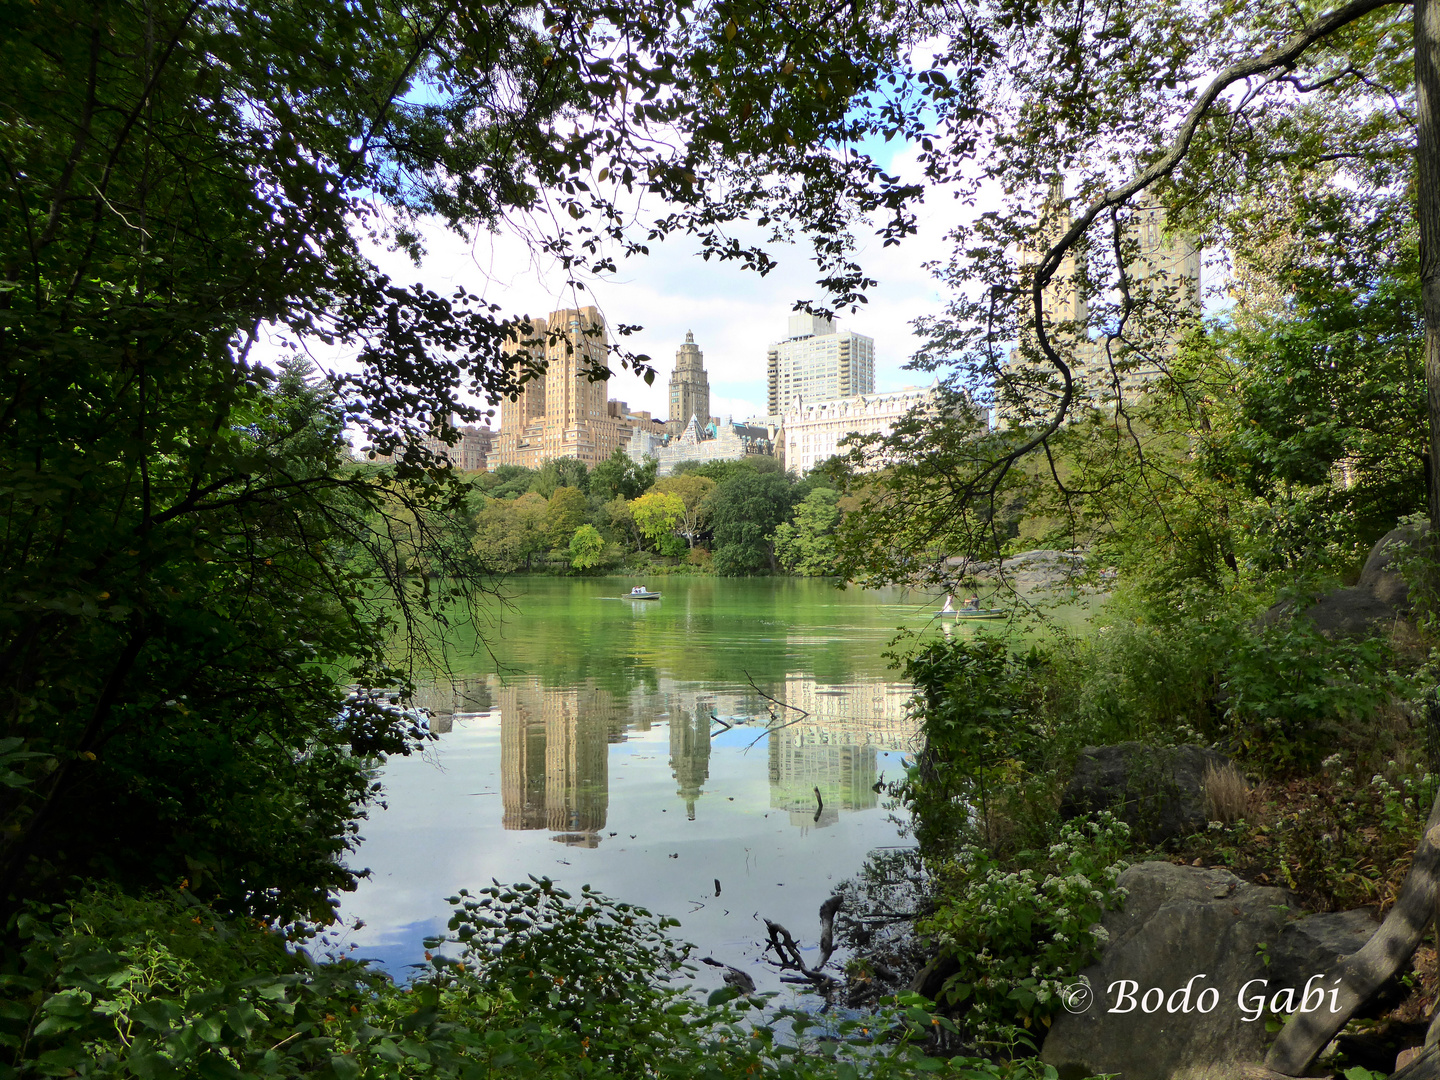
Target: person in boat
(638,589)
(972,604)
(949,604)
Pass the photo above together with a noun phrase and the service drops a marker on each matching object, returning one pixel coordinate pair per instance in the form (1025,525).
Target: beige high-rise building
(689,388)
(1162,269)
(565,412)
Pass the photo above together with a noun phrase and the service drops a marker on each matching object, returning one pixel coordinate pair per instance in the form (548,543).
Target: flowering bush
(1020,936)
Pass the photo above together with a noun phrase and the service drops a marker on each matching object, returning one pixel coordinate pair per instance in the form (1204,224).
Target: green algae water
(717,755)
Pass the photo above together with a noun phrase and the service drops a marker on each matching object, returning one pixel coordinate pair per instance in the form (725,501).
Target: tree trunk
(1427,212)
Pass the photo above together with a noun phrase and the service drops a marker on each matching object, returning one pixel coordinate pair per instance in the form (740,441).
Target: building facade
(689,388)
(1162,271)
(722,440)
(813,429)
(565,412)
(819,363)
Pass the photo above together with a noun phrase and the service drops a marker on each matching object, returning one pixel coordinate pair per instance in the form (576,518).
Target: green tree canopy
(805,545)
(618,475)
(656,514)
(745,511)
(694,492)
(587,547)
(560,472)
(564,513)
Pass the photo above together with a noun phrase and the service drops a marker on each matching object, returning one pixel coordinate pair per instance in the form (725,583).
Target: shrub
(1019,936)
(986,725)
(541,985)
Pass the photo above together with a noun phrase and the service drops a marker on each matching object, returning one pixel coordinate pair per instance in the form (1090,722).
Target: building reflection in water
(554,744)
(834,750)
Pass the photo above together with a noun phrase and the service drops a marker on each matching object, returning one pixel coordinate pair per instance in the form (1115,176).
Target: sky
(734,314)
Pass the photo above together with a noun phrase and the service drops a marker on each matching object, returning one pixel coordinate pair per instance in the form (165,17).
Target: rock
(1380,575)
(1158,791)
(1380,596)
(1314,943)
(1043,568)
(1349,611)
(1179,925)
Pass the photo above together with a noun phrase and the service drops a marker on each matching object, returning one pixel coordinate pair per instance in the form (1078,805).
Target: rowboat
(639,592)
(972,613)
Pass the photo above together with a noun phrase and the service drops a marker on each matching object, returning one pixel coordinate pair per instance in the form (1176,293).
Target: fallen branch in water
(788,952)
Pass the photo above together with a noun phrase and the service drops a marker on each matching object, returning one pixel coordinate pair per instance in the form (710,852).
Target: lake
(586,741)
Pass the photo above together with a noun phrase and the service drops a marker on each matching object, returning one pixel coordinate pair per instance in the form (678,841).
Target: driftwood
(733,976)
(1363,972)
(788,952)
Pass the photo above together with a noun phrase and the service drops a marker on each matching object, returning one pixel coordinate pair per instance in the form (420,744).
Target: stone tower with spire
(689,388)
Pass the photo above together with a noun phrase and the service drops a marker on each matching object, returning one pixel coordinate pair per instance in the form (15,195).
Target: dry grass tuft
(1227,795)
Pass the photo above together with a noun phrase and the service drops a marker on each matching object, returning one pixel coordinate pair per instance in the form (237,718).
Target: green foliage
(745,510)
(560,473)
(564,513)
(1019,936)
(806,544)
(694,492)
(509,533)
(535,984)
(656,515)
(1152,668)
(618,475)
(984,718)
(179,670)
(1294,695)
(506,481)
(587,547)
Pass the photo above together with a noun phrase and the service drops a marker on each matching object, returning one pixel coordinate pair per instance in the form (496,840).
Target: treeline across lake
(732,518)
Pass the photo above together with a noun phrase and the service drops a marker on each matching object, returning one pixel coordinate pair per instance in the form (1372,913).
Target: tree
(745,511)
(176,177)
(509,533)
(506,481)
(694,492)
(564,514)
(656,514)
(618,475)
(587,547)
(806,544)
(560,473)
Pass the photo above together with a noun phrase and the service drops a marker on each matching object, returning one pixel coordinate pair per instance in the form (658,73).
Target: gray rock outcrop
(1158,791)
(1380,574)
(1043,568)
(1179,926)
(1380,596)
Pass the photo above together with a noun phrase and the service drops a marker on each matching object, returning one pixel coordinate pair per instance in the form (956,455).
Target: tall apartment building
(1163,272)
(817,362)
(564,412)
(689,388)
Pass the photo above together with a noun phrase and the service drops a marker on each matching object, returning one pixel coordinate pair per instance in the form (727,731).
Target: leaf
(731,30)
(345,1066)
(214,1067)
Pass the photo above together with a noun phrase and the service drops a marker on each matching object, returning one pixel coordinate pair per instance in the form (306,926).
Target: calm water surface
(583,745)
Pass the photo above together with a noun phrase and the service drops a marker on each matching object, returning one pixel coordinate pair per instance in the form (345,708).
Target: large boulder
(1343,612)
(1380,574)
(1159,791)
(1316,942)
(1376,601)
(1180,926)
